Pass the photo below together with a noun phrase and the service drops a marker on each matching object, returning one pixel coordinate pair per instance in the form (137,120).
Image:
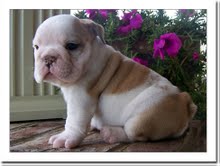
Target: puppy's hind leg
(132,131)
(112,134)
(137,129)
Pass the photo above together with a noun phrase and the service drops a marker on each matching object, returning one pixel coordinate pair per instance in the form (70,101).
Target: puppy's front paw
(64,140)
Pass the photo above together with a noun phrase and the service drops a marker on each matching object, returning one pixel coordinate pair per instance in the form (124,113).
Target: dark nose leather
(49,60)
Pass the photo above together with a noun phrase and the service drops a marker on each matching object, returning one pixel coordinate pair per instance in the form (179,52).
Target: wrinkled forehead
(60,27)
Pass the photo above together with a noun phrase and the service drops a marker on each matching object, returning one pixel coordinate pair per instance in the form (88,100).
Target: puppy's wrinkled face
(62,48)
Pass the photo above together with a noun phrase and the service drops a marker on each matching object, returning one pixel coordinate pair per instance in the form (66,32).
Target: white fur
(80,109)
(107,109)
(115,110)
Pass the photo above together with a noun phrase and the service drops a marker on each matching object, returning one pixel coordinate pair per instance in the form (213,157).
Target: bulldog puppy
(124,100)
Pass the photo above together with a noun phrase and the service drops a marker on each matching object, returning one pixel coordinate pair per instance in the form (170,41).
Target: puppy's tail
(191,107)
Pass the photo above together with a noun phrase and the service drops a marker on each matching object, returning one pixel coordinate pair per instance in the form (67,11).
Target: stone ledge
(33,137)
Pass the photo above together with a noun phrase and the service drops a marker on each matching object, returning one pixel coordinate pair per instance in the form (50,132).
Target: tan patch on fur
(166,119)
(101,81)
(128,76)
(119,75)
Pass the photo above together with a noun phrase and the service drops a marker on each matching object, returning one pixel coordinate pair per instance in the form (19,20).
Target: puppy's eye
(71,46)
(36,47)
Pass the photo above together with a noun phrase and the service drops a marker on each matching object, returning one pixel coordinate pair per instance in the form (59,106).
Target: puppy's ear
(93,28)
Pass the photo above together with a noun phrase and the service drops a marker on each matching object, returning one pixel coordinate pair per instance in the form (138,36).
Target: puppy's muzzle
(49,60)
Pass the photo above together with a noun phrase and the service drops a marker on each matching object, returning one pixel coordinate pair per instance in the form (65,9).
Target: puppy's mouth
(49,74)
(52,75)
(57,71)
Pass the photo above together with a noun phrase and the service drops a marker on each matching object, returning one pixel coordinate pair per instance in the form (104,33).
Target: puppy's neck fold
(98,84)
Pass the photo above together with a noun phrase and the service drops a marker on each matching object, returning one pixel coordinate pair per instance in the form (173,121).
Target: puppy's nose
(49,60)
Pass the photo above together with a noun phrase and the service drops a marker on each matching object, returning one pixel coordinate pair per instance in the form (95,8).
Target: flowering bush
(170,46)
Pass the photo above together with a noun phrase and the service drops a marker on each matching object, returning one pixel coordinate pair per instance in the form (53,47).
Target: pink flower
(132,20)
(136,21)
(195,56)
(127,16)
(92,13)
(168,43)
(124,29)
(103,12)
(140,61)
